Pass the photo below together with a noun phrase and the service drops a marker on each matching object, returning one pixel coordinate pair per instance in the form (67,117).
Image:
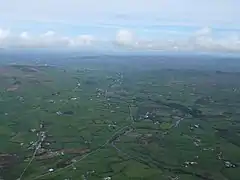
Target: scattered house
(192,163)
(20,98)
(174,178)
(33,130)
(198,140)
(188,163)
(220,155)
(56,94)
(74,98)
(177,122)
(196,125)
(148,135)
(47,144)
(146,115)
(90,172)
(196,144)
(107,178)
(112,125)
(43,135)
(74,168)
(83,177)
(73,160)
(59,113)
(228,164)
(208,149)
(50,170)
(51,101)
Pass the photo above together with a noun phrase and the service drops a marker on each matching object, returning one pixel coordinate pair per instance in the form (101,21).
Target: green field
(95,122)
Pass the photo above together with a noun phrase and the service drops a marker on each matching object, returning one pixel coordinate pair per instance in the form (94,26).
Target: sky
(157,25)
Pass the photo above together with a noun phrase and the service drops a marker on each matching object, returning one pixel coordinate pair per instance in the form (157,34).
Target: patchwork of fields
(90,122)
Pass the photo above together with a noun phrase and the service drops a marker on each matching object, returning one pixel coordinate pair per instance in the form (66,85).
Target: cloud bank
(49,39)
(203,40)
(103,25)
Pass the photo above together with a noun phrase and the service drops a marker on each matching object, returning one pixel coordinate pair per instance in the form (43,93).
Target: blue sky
(201,25)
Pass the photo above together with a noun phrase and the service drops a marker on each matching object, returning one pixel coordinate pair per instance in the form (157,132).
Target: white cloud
(48,34)
(150,15)
(206,31)
(24,35)
(4,34)
(204,39)
(83,40)
(201,40)
(49,39)
(125,37)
